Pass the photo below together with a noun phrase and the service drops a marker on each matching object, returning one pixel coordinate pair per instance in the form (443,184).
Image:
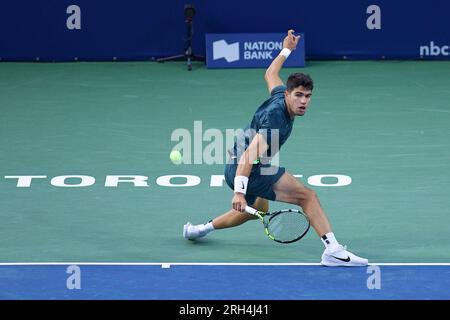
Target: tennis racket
(283,226)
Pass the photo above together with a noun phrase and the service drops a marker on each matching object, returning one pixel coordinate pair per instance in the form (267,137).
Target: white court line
(169,264)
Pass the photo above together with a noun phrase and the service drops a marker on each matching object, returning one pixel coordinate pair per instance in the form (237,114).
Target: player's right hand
(291,41)
(239,202)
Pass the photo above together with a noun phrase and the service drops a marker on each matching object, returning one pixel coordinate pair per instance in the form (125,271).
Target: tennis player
(255,180)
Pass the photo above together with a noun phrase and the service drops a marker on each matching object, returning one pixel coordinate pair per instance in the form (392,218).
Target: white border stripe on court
(168,264)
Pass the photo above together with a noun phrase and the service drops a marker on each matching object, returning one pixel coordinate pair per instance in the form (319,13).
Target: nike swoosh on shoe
(345,260)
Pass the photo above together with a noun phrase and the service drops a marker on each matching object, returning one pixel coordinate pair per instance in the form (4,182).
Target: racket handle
(250,210)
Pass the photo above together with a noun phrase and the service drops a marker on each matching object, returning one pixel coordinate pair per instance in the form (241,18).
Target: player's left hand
(291,40)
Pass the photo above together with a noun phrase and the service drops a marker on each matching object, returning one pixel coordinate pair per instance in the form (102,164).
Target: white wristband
(240,184)
(285,52)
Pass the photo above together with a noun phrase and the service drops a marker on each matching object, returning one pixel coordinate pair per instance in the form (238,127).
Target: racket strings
(287,226)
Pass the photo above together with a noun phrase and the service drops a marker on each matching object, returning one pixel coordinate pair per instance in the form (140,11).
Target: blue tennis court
(224,282)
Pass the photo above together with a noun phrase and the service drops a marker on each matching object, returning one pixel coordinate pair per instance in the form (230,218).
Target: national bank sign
(250,50)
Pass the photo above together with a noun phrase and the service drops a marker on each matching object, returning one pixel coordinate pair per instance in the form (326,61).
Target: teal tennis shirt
(272,120)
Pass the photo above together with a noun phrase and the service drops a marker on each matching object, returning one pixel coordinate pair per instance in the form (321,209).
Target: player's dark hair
(296,80)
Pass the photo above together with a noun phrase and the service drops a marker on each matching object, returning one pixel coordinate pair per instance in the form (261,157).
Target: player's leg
(289,189)
(229,219)
(234,218)
(261,204)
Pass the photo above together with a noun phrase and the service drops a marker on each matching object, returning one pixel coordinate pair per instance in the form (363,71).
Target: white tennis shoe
(192,232)
(340,257)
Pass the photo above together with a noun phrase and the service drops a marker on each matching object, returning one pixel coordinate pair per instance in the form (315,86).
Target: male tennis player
(251,178)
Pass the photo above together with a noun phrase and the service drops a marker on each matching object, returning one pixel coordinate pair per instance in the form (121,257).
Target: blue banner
(86,30)
(250,50)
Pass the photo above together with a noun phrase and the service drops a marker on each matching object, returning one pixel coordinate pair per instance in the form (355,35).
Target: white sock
(329,240)
(208,227)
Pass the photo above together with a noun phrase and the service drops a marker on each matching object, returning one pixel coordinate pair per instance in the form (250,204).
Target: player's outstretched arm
(272,75)
(257,148)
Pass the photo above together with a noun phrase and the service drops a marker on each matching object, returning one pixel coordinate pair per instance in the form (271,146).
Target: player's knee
(306,195)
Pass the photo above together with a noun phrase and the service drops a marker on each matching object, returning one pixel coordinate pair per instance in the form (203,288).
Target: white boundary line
(168,264)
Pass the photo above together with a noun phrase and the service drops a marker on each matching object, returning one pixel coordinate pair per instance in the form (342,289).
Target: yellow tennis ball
(176,157)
